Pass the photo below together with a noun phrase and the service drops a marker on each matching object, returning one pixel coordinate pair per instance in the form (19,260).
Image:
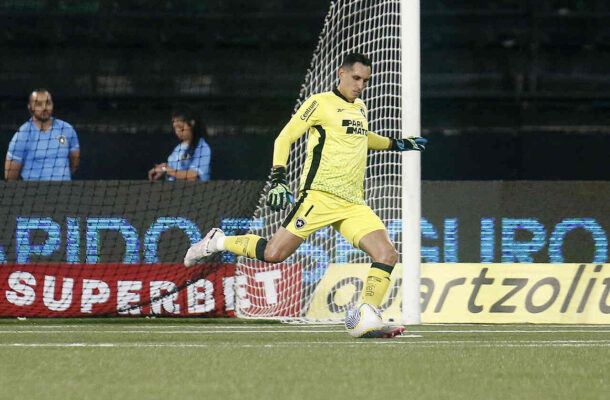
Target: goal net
(300,287)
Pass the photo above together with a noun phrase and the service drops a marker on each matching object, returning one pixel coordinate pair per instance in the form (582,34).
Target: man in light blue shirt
(44,148)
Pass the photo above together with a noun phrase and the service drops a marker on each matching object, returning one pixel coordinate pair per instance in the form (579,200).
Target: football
(364,321)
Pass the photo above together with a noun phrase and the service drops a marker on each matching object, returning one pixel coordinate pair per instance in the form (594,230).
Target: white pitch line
(514,331)
(160,326)
(308,326)
(170,332)
(258,329)
(505,342)
(352,343)
(272,326)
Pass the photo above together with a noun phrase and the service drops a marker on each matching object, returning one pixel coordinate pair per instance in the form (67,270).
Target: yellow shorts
(316,210)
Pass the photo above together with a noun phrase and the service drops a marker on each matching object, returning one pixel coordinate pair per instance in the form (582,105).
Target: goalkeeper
(331,190)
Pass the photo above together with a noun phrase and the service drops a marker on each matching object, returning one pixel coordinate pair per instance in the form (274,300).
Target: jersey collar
(39,130)
(338,93)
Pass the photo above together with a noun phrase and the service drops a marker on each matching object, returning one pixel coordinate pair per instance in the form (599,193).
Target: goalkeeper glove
(410,143)
(279,196)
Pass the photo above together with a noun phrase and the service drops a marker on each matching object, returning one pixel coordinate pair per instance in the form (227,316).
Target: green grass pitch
(232,359)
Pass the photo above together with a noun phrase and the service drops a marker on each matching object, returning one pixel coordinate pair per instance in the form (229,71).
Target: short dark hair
(38,90)
(354,58)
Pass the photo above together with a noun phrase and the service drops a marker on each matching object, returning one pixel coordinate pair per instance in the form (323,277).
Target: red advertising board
(270,290)
(74,290)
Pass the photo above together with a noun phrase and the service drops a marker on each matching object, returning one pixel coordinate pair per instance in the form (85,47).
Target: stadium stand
(489,70)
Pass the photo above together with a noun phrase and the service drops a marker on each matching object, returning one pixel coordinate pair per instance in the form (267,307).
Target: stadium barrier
(492,252)
(80,290)
(480,293)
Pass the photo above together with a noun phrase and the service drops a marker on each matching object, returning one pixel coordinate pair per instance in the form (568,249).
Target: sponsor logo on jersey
(299,223)
(340,110)
(312,107)
(62,139)
(363,112)
(354,127)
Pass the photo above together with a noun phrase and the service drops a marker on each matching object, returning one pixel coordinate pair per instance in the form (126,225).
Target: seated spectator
(44,148)
(190,159)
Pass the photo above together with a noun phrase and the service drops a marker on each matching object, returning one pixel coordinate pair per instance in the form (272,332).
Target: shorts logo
(62,139)
(299,223)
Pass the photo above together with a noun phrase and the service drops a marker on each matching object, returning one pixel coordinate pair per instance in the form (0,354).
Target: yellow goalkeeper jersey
(337,143)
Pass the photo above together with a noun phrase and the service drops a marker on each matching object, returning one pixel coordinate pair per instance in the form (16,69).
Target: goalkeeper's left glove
(410,143)
(279,196)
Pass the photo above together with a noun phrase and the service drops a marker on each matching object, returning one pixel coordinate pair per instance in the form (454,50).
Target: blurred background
(511,89)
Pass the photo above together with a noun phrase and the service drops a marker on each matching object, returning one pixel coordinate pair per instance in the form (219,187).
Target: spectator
(44,148)
(190,159)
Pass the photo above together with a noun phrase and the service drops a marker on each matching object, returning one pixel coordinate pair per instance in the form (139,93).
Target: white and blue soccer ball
(364,321)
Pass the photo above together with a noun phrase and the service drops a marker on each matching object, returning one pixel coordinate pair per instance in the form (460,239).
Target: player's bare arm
(74,161)
(12,170)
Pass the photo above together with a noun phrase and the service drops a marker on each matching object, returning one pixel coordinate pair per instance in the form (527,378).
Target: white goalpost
(324,276)
(411,163)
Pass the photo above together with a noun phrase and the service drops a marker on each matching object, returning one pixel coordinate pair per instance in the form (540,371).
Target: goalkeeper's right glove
(279,196)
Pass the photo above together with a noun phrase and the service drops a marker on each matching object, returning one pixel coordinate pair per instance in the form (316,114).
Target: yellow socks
(376,284)
(245,245)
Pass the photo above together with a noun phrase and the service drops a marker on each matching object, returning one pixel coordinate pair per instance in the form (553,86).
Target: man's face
(352,81)
(41,106)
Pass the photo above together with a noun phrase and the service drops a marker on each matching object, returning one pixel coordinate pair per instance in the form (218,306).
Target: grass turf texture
(234,359)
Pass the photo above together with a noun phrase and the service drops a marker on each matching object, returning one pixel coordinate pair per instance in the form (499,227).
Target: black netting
(106,247)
